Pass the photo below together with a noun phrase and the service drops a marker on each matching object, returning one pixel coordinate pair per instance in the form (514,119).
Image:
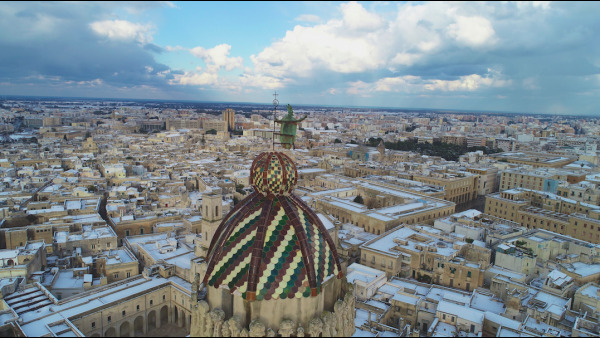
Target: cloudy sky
(501,56)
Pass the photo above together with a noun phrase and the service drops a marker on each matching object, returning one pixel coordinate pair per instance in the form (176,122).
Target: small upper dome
(273,173)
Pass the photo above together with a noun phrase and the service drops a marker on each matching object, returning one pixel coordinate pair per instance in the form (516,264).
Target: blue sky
(541,57)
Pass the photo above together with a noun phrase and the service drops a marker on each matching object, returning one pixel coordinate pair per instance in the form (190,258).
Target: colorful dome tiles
(273,173)
(271,246)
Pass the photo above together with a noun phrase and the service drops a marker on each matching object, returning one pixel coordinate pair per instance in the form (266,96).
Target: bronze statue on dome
(287,134)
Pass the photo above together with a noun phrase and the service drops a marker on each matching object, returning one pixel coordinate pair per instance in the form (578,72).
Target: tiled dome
(272,245)
(273,173)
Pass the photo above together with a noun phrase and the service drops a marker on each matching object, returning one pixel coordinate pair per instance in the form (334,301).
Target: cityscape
(285,191)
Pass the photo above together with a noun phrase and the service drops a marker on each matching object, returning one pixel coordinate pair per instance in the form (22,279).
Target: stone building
(544,210)
(22,261)
(130,225)
(212,214)
(90,146)
(91,240)
(384,208)
(366,280)
(587,299)
(272,268)
(424,254)
(536,160)
(229,119)
(488,182)
(461,187)
(136,306)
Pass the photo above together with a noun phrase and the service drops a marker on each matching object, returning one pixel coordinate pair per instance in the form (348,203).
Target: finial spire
(275,104)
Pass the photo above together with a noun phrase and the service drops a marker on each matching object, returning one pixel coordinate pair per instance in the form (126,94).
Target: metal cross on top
(275,101)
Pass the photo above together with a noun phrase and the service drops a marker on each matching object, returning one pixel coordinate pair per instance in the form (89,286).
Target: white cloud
(123,30)
(356,17)
(195,78)
(535,4)
(417,84)
(174,48)
(92,83)
(397,84)
(405,59)
(262,81)
(164,73)
(170,4)
(218,57)
(465,83)
(472,31)
(530,83)
(359,88)
(308,18)
(330,46)
(360,42)
(421,49)
(363,41)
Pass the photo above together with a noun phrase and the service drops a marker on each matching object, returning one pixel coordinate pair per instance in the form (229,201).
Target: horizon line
(437,110)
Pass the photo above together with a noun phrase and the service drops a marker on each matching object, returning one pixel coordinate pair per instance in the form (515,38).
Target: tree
(410,128)
(358,199)
(337,140)
(424,278)
(211,132)
(469,240)
(218,159)
(33,219)
(373,142)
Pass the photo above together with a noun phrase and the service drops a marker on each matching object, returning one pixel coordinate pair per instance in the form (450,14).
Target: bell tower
(212,214)
(212,207)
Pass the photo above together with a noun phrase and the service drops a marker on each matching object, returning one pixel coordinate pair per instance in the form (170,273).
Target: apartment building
(540,210)
(424,254)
